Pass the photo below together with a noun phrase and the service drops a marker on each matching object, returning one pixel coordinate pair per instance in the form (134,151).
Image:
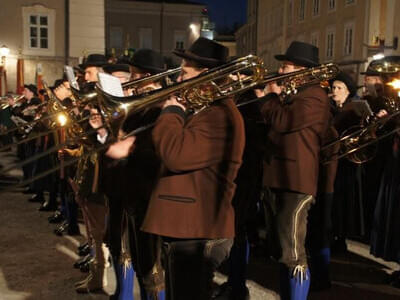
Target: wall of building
(87,27)
(129,23)
(13,35)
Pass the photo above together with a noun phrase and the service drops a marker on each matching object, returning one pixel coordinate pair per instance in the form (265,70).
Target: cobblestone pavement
(37,265)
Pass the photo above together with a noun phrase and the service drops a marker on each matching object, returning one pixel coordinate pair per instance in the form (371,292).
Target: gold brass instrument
(4,100)
(359,143)
(197,93)
(290,82)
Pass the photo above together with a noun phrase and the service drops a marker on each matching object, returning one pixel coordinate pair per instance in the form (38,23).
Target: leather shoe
(82,261)
(81,246)
(227,293)
(47,207)
(85,268)
(56,218)
(61,229)
(36,198)
(84,251)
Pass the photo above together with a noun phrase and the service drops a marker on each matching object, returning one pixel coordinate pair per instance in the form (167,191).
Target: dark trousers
(190,266)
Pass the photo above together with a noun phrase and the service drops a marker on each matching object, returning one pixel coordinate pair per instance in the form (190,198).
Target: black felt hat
(32,88)
(302,54)
(148,60)
(94,60)
(118,67)
(206,53)
(348,81)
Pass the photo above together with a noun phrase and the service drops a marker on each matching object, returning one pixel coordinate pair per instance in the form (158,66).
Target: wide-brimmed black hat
(348,81)
(94,60)
(302,54)
(32,88)
(117,67)
(148,60)
(205,52)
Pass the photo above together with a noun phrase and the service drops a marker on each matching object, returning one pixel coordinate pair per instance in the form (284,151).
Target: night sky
(225,13)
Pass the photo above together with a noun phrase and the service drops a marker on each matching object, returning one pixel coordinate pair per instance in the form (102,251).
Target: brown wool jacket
(296,133)
(201,157)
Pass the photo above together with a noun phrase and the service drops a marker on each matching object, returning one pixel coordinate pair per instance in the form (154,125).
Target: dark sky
(226,12)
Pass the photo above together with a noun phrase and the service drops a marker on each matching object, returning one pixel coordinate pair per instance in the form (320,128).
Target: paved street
(35,264)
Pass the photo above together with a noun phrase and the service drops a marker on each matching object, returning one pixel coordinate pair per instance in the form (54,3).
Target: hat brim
(204,61)
(301,61)
(92,64)
(111,68)
(150,69)
(371,73)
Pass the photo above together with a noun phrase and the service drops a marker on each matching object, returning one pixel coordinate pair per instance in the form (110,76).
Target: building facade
(159,25)
(347,32)
(246,35)
(47,34)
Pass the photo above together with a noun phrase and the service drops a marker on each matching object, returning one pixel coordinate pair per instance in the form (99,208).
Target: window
(331,4)
(179,39)
(116,37)
(290,12)
(330,43)
(315,8)
(315,39)
(146,38)
(348,38)
(302,10)
(38,30)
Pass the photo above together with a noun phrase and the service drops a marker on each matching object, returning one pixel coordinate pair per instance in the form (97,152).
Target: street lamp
(4,51)
(195,28)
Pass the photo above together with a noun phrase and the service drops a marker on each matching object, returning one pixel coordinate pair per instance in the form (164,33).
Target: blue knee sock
(126,279)
(294,287)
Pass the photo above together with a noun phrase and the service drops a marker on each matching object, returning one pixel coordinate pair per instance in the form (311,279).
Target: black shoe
(85,268)
(225,292)
(82,261)
(84,251)
(56,218)
(61,229)
(47,207)
(80,247)
(36,198)
(73,231)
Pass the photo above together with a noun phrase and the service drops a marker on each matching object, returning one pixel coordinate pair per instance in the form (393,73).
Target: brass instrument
(359,143)
(290,82)
(197,93)
(4,100)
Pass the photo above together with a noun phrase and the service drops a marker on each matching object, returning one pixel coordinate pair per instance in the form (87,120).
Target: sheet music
(69,71)
(110,84)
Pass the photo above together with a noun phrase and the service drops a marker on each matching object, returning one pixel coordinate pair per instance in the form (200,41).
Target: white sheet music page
(110,84)
(69,71)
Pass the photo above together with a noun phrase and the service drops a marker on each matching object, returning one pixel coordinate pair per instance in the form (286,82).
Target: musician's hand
(60,154)
(173,100)
(122,148)
(382,113)
(272,88)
